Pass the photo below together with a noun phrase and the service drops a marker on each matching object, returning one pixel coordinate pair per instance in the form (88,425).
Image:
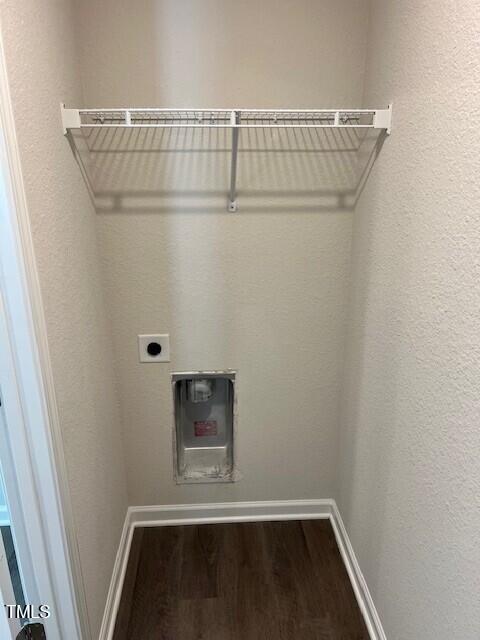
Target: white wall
(409,471)
(42,67)
(263,291)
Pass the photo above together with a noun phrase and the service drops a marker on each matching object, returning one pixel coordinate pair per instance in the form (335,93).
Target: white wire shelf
(234,119)
(226,118)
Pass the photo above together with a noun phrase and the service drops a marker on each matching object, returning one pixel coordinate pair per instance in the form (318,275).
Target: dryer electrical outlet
(204,404)
(154,347)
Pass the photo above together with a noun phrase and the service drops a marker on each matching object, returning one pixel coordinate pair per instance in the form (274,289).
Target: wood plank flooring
(242,581)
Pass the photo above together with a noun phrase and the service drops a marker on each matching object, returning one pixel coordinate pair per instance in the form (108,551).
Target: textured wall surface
(409,471)
(222,53)
(39,47)
(263,291)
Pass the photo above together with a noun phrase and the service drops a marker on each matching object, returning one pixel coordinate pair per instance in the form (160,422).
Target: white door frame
(30,409)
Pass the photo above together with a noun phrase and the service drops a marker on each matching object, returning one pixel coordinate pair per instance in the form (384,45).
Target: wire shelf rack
(226,118)
(233,119)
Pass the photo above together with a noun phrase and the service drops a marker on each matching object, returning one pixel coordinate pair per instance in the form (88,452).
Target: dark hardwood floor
(246,581)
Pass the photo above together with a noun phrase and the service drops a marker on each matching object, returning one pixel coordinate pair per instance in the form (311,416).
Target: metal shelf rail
(234,119)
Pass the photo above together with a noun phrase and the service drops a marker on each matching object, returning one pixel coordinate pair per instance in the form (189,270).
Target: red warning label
(205,428)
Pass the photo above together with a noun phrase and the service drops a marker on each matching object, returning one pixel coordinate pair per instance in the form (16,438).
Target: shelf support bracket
(383,119)
(232,199)
(70,118)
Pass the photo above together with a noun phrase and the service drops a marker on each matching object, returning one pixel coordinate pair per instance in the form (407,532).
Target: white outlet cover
(147,348)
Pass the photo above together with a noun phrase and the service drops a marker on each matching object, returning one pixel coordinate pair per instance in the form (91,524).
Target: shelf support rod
(232,199)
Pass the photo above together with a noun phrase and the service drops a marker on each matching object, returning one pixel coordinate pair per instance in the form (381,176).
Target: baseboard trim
(184,514)
(359,585)
(118,578)
(158,516)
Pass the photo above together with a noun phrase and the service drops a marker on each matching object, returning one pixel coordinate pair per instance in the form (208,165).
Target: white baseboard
(364,598)
(116,583)
(183,514)
(230,512)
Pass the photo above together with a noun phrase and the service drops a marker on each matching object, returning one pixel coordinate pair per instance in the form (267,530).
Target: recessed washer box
(154,347)
(204,413)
